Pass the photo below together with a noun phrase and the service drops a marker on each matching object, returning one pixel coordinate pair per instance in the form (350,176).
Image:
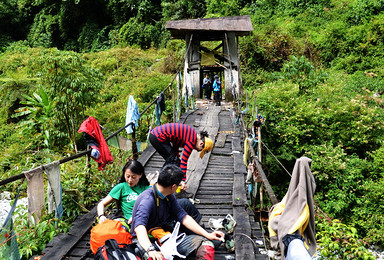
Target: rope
(276,159)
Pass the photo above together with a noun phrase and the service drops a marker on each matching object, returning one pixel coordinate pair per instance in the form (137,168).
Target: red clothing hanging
(92,127)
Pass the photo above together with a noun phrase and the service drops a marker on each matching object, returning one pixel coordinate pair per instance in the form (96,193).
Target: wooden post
(259,143)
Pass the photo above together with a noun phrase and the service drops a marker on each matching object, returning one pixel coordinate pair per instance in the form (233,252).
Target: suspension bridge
(216,183)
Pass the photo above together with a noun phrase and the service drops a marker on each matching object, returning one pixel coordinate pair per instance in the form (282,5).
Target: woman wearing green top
(133,182)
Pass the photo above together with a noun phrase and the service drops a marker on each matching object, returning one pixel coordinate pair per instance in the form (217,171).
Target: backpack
(114,251)
(109,229)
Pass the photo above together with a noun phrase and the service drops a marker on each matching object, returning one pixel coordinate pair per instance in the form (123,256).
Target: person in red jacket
(168,138)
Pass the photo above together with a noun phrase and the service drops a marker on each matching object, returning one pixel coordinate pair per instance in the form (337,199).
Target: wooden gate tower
(201,60)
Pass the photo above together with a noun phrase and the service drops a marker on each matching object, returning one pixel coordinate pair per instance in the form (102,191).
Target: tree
(72,85)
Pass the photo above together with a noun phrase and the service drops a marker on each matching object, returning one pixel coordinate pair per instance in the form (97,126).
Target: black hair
(169,175)
(137,168)
(203,134)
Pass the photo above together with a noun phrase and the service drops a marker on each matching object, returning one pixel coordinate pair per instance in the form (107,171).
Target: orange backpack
(109,229)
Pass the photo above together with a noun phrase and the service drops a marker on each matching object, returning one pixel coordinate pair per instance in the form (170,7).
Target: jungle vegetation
(314,68)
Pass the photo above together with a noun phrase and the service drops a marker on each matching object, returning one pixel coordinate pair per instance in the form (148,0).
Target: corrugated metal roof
(210,27)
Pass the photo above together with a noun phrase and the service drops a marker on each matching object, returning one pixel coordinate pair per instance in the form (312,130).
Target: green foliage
(339,241)
(92,38)
(33,238)
(44,30)
(223,8)
(338,126)
(303,73)
(362,83)
(71,85)
(183,9)
(268,49)
(39,113)
(136,33)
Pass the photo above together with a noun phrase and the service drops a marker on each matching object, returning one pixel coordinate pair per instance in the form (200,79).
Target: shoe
(229,243)
(229,224)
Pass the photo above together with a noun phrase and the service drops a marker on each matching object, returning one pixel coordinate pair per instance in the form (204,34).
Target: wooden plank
(146,155)
(244,248)
(239,193)
(238,162)
(236,144)
(220,141)
(62,244)
(216,201)
(197,166)
(214,198)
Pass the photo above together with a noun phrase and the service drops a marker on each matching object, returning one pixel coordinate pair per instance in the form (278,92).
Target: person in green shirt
(133,182)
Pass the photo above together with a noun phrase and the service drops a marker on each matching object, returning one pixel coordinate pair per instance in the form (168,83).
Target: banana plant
(37,115)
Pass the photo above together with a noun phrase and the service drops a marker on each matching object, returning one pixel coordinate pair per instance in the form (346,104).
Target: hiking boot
(229,243)
(229,224)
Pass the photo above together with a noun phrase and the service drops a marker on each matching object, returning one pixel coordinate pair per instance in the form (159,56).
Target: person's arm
(145,243)
(101,208)
(192,225)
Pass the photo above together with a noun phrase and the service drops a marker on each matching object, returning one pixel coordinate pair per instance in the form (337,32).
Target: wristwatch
(151,248)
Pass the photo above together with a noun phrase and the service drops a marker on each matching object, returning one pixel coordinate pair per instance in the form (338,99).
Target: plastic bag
(169,247)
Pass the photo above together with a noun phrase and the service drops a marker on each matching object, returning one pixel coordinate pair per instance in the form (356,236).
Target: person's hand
(183,186)
(155,255)
(102,219)
(130,220)
(216,235)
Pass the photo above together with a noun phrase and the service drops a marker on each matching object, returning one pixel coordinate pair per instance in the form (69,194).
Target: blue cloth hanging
(133,114)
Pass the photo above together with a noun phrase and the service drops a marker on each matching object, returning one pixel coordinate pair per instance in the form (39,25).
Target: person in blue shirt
(217,86)
(157,207)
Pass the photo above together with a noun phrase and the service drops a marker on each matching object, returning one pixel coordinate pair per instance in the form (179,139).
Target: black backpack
(114,251)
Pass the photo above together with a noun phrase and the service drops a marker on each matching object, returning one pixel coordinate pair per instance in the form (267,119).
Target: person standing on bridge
(207,86)
(217,86)
(168,138)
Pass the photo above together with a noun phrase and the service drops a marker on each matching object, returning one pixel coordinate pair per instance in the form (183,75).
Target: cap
(208,146)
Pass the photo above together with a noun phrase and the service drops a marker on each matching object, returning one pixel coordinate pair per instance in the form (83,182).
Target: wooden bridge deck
(217,181)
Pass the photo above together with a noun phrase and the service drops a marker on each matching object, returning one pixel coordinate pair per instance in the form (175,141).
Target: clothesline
(80,154)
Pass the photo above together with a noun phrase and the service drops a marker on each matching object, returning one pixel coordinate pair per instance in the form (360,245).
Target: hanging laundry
(133,114)
(91,126)
(114,141)
(160,108)
(161,102)
(186,100)
(246,155)
(141,146)
(35,192)
(54,191)
(295,213)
